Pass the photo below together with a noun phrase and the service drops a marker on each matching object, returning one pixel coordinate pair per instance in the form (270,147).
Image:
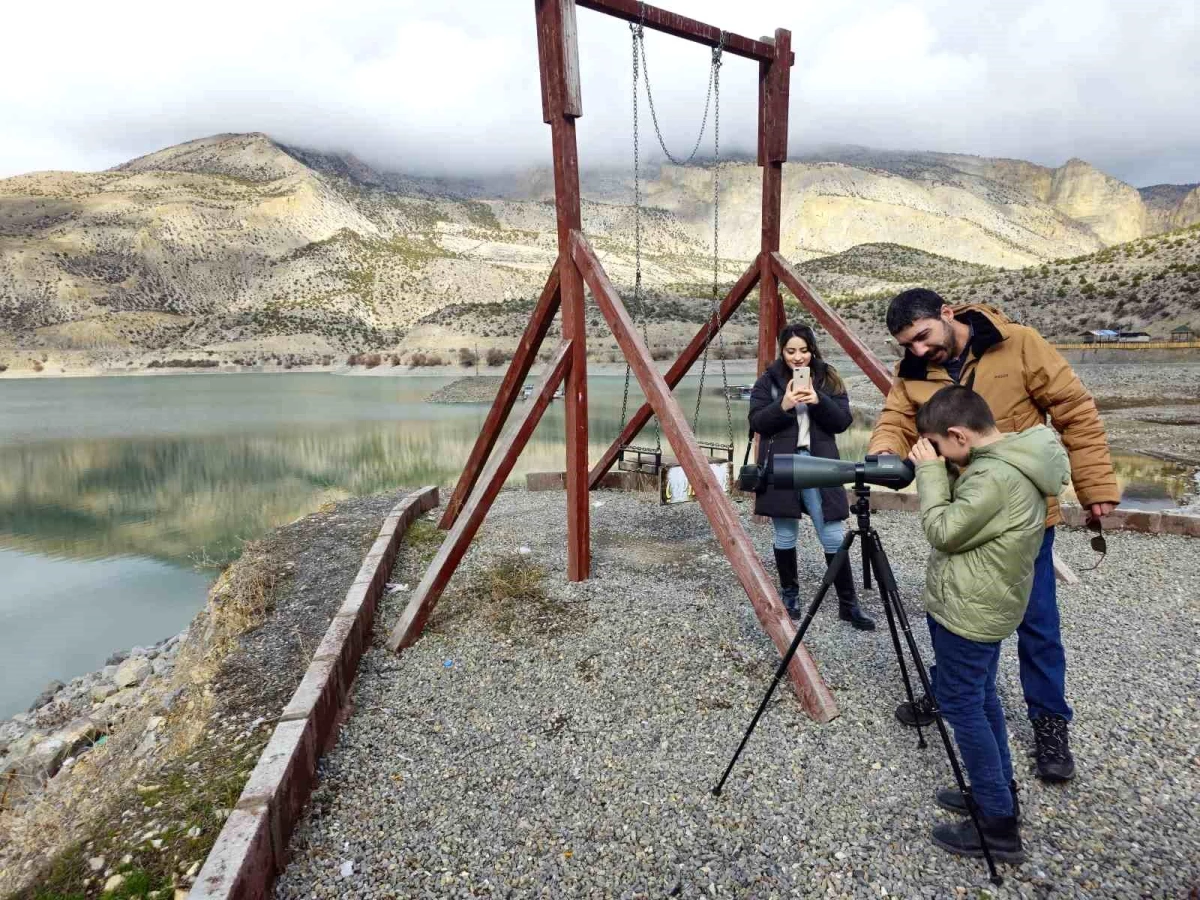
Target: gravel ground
(571,751)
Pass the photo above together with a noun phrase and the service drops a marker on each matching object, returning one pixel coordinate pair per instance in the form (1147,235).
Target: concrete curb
(251,849)
(1142,521)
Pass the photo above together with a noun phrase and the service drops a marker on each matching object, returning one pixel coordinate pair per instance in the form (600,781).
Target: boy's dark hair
(954,406)
(908,306)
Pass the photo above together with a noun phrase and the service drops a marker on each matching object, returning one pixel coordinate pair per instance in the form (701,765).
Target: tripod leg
(866,565)
(831,572)
(891,598)
(887,584)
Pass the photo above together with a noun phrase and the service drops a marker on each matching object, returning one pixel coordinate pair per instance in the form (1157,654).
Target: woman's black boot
(848,608)
(789,582)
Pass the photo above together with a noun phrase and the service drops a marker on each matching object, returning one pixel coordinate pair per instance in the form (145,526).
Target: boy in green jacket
(986,529)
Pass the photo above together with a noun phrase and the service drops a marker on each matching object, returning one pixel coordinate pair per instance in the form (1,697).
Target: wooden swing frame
(577,265)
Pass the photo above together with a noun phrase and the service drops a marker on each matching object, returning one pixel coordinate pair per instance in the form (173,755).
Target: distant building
(1134,337)
(1182,333)
(1100,336)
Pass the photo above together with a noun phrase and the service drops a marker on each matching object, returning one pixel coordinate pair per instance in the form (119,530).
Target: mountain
(238,247)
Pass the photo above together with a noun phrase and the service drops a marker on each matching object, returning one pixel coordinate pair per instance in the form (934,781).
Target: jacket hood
(989,327)
(1038,455)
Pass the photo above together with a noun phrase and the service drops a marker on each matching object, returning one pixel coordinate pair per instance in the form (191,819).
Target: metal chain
(714,310)
(650,96)
(639,300)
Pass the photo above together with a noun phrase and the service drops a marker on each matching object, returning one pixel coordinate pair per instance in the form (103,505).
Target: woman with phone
(797,406)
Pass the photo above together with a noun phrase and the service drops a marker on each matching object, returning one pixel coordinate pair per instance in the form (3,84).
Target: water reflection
(199,484)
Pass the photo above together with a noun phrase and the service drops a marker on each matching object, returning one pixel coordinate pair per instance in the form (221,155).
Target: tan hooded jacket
(1023,379)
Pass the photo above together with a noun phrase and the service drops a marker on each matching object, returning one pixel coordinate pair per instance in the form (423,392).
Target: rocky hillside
(1151,284)
(236,247)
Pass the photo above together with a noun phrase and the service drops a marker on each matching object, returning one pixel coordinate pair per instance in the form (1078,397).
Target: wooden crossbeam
(803,674)
(438,575)
(858,351)
(682,27)
(678,369)
(518,370)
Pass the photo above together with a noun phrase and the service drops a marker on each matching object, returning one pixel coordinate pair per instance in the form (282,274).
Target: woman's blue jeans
(787,531)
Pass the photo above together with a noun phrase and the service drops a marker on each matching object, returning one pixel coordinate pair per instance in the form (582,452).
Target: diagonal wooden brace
(678,369)
(858,351)
(454,547)
(818,702)
(510,388)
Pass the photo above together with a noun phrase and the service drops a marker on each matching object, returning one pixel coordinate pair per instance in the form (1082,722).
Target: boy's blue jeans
(966,694)
(1039,643)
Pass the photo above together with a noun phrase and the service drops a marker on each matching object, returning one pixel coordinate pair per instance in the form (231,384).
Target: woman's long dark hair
(825,376)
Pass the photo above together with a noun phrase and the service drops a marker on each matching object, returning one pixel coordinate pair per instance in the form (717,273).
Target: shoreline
(741,367)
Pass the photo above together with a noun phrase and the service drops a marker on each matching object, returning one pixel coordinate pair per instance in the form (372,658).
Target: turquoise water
(119,496)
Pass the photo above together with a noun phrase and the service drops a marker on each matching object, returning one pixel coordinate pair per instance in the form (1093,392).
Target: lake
(120,497)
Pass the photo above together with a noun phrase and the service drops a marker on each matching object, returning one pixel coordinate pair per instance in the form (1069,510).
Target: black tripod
(874,560)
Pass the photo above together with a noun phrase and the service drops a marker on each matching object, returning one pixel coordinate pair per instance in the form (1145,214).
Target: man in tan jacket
(1023,379)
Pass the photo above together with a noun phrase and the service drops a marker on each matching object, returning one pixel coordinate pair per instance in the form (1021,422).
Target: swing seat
(717,453)
(674,486)
(647,460)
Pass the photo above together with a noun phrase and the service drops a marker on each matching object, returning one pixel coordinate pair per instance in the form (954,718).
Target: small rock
(347,869)
(113,883)
(47,695)
(101,692)
(194,832)
(96,863)
(117,658)
(132,671)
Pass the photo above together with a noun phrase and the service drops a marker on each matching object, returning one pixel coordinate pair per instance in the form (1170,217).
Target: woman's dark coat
(779,431)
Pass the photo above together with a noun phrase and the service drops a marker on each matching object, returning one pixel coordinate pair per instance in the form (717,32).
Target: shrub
(496,357)
(371,360)
(467,357)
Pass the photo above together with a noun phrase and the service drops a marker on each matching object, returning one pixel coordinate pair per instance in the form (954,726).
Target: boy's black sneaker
(952,800)
(1054,760)
(1002,832)
(919,712)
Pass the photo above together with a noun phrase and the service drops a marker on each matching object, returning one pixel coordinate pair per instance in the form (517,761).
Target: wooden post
(561,105)
(518,370)
(678,369)
(805,679)
(438,575)
(774,78)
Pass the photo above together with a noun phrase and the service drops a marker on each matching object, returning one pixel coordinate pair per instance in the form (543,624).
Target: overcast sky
(444,85)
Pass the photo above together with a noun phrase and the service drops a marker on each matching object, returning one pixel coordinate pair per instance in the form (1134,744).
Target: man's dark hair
(908,306)
(954,406)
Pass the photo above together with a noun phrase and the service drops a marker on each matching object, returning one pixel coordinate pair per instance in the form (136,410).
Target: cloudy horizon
(453,88)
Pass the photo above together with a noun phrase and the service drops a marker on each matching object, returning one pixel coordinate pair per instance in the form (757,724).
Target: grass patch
(513,598)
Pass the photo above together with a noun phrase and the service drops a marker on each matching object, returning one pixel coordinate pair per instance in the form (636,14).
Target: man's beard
(943,351)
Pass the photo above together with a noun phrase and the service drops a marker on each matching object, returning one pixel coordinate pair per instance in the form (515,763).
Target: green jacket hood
(1037,454)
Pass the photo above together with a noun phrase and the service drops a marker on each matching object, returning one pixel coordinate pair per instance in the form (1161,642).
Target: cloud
(453,86)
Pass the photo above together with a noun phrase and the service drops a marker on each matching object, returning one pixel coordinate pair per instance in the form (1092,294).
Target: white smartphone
(802,377)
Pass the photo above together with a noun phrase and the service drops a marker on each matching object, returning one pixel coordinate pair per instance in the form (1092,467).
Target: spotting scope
(796,472)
